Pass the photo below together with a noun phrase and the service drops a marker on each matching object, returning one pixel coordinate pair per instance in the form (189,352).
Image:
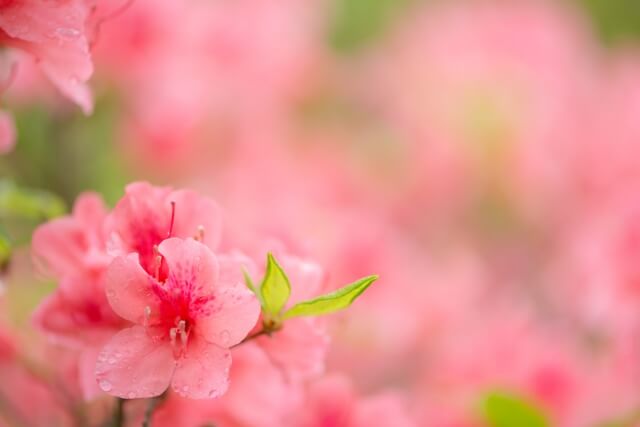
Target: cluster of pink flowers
(149,301)
(481,156)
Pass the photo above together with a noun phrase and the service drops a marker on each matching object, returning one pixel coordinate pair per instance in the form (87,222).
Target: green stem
(151,407)
(118,413)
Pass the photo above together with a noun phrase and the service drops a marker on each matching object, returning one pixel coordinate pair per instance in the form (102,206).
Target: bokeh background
(482,157)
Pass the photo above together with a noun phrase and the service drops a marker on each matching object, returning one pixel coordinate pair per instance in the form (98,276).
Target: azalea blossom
(183,325)
(54,32)
(147,215)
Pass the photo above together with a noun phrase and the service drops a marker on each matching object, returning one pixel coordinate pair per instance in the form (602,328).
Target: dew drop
(111,361)
(105,385)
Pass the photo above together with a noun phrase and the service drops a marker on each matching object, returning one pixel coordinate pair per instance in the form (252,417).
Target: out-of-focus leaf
(18,202)
(505,410)
(275,288)
(357,22)
(616,20)
(5,249)
(331,302)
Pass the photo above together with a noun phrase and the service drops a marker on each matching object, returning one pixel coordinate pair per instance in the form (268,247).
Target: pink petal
(130,289)
(132,365)
(54,32)
(300,347)
(204,374)
(87,372)
(7,132)
(193,268)
(57,247)
(194,211)
(237,309)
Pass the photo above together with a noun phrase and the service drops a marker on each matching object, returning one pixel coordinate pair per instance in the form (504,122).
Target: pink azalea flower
(183,325)
(7,132)
(271,402)
(54,33)
(147,215)
(332,402)
(301,346)
(74,245)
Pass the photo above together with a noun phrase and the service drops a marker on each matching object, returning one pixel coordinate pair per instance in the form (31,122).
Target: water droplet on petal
(111,361)
(105,385)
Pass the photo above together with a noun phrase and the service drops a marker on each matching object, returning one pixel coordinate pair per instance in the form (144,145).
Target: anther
(200,234)
(147,315)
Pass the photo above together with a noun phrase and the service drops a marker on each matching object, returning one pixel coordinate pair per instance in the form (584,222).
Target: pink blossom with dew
(332,401)
(54,33)
(147,215)
(184,324)
(7,132)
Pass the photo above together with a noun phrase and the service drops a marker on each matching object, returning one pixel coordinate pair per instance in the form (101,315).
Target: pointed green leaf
(275,288)
(504,410)
(249,282)
(334,301)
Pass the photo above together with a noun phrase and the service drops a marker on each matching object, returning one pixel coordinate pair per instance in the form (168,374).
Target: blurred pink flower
(300,347)
(77,314)
(7,132)
(74,245)
(244,404)
(54,32)
(147,215)
(332,402)
(184,325)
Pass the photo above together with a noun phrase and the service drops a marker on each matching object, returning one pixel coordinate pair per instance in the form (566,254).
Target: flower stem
(118,413)
(153,404)
(253,336)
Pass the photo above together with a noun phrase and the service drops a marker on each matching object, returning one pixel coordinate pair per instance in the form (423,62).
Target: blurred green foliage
(356,24)
(505,410)
(67,153)
(615,20)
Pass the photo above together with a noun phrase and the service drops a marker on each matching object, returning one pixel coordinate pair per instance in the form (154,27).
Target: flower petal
(300,347)
(236,312)
(193,268)
(204,373)
(130,289)
(132,365)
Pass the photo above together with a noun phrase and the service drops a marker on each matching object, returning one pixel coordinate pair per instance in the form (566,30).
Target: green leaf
(331,302)
(5,249)
(275,288)
(249,282)
(505,410)
(19,202)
